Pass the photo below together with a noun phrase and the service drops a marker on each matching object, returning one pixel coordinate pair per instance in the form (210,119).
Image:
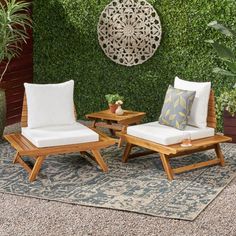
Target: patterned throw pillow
(176,108)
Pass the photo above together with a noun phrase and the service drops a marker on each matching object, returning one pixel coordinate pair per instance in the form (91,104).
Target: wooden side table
(115,123)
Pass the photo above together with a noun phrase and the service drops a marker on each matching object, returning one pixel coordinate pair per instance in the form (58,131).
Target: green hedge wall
(66,47)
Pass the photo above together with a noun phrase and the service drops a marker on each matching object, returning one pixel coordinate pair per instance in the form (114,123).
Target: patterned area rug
(138,186)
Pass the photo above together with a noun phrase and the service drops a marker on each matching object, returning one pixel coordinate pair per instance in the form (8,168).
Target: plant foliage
(226,101)
(14,21)
(225,53)
(113,98)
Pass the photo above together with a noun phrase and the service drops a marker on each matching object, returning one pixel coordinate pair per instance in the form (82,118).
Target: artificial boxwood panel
(66,47)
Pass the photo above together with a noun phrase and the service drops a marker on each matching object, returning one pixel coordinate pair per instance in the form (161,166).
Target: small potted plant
(112,99)
(226,103)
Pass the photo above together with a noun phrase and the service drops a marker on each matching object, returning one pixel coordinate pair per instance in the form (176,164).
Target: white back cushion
(198,114)
(50,104)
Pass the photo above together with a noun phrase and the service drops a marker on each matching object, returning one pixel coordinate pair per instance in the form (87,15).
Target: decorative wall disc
(129,31)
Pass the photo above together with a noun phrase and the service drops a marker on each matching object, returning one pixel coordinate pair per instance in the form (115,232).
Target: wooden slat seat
(24,147)
(169,151)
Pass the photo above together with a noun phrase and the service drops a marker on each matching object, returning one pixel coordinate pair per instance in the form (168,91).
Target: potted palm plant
(226,102)
(14,22)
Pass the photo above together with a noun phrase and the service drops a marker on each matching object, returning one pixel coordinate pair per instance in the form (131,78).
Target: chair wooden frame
(24,147)
(169,151)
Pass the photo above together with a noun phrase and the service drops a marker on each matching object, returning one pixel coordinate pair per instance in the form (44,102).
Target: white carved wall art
(129,31)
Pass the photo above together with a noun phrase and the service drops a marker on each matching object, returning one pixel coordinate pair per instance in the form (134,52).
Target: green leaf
(15,20)
(223,51)
(168,112)
(177,124)
(164,121)
(182,102)
(223,29)
(176,103)
(172,117)
(113,98)
(231,65)
(181,114)
(210,41)
(223,72)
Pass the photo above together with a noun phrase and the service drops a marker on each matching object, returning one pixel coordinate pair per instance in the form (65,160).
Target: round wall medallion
(129,31)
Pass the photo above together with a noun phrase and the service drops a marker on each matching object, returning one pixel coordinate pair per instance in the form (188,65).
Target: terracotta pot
(230,126)
(113,107)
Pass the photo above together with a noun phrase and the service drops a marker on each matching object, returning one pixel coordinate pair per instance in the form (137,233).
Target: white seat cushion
(166,135)
(50,104)
(199,110)
(60,135)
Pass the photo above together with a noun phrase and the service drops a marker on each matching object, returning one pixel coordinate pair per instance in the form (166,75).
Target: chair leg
(219,154)
(127,152)
(15,160)
(100,160)
(36,168)
(87,154)
(167,166)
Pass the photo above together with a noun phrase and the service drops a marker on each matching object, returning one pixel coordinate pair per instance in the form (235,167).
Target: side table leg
(120,142)
(127,152)
(123,131)
(111,130)
(93,125)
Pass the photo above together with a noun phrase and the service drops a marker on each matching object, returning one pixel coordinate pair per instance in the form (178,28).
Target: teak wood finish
(114,122)
(170,151)
(25,148)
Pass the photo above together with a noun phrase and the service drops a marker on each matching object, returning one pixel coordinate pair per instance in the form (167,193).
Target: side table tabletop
(113,122)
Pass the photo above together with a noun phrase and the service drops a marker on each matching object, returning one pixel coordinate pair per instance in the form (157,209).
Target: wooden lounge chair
(25,148)
(168,151)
